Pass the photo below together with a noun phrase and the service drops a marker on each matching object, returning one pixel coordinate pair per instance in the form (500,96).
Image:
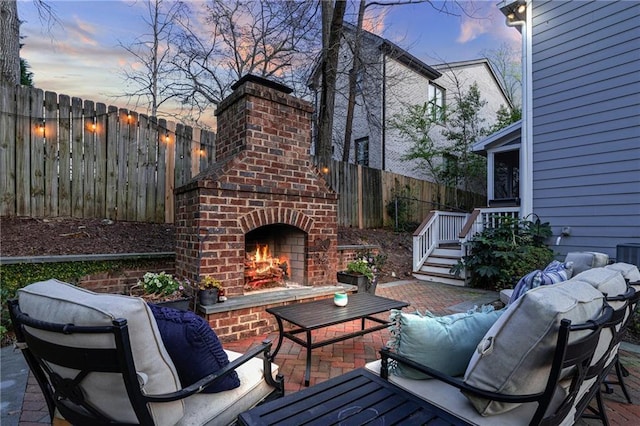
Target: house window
(362,151)
(436,102)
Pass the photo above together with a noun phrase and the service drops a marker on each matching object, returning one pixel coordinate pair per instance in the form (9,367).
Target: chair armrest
(197,387)
(387,354)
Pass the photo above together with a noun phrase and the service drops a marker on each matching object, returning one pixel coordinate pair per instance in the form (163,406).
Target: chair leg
(600,412)
(620,372)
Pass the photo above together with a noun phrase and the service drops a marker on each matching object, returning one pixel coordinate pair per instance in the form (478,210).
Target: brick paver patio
(333,360)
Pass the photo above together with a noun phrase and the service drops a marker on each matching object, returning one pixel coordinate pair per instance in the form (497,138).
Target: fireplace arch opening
(275,257)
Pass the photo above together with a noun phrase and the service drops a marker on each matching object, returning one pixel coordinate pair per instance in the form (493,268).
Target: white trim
(526,145)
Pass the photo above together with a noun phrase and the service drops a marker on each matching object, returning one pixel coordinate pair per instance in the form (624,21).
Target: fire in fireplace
(261,269)
(274,256)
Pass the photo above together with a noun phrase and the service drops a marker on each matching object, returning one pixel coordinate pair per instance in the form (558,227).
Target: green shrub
(500,255)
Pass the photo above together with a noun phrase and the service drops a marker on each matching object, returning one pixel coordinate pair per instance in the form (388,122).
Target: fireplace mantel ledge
(272,297)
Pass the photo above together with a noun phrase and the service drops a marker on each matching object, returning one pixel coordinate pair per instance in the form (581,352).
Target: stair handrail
(481,217)
(438,227)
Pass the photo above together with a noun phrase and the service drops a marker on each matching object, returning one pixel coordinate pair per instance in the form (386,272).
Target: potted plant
(363,272)
(208,290)
(162,289)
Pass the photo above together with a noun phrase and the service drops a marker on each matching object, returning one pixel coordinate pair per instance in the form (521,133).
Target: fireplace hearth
(263,191)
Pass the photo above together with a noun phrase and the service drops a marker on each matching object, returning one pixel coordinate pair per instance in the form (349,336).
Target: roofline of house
(479,61)
(503,135)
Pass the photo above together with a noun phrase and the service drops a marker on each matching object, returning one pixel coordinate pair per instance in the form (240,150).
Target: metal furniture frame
(65,394)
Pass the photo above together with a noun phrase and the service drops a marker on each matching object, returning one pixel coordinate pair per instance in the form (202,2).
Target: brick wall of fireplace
(263,182)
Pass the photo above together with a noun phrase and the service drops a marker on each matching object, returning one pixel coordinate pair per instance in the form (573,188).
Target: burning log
(263,270)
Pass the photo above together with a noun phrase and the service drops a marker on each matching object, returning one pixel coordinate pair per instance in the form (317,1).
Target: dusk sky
(81,57)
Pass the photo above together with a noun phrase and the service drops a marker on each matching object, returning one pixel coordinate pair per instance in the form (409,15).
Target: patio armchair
(100,359)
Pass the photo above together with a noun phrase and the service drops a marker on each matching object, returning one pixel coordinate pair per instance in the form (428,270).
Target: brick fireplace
(263,189)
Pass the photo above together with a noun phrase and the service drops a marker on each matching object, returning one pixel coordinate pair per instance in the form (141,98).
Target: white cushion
(58,302)
(583,260)
(629,272)
(224,407)
(605,280)
(515,355)
(450,399)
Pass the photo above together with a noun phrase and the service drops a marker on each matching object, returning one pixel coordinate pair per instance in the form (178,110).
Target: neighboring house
(390,80)
(576,153)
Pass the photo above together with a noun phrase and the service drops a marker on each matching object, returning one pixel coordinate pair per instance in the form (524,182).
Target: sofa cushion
(223,408)
(194,347)
(583,260)
(443,343)
(515,355)
(553,273)
(58,302)
(629,272)
(605,280)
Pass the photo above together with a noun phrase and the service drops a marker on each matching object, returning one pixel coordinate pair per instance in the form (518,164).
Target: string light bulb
(41,127)
(166,138)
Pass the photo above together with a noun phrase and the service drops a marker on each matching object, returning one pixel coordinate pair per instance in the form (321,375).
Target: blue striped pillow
(554,273)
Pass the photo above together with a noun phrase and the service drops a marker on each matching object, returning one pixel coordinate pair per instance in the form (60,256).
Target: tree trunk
(329,75)
(353,81)
(9,42)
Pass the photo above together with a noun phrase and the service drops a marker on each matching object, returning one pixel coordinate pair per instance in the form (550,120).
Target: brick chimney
(264,180)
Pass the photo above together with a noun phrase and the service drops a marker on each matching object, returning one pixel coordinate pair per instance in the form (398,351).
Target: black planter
(208,296)
(364,286)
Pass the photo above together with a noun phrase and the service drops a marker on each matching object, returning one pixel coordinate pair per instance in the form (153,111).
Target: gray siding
(586,122)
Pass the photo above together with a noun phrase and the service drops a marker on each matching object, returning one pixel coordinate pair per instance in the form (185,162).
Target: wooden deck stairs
(437,266)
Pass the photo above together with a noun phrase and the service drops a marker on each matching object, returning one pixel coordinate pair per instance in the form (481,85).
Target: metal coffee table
(355,398)
(311,316)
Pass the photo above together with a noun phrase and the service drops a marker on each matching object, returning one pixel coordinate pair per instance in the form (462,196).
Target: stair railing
(437,228)
(482,218)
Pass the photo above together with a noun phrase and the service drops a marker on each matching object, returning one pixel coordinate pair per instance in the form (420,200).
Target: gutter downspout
(384,111)
(526,145)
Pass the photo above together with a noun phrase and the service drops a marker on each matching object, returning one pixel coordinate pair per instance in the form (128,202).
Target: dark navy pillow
(193,347)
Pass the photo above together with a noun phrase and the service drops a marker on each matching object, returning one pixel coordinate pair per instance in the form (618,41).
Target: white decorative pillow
(58,302)
(583,260)
(515,355)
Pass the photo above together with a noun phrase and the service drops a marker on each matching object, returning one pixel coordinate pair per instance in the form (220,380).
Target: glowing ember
(264,270)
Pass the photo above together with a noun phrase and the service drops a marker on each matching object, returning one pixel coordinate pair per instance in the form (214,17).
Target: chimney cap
(263,81)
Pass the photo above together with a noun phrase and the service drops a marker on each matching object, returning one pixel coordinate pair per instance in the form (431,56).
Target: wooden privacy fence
(63,156)
(365,194)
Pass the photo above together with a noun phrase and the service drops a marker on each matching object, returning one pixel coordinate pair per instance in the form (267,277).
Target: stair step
(441,261)
(440,252)
(439,278)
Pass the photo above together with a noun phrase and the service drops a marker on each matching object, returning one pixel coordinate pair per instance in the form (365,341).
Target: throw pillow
(554,273)
(442,343)
(194,347)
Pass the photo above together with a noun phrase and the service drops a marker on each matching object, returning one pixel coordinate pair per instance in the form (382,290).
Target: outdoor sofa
(516,353)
